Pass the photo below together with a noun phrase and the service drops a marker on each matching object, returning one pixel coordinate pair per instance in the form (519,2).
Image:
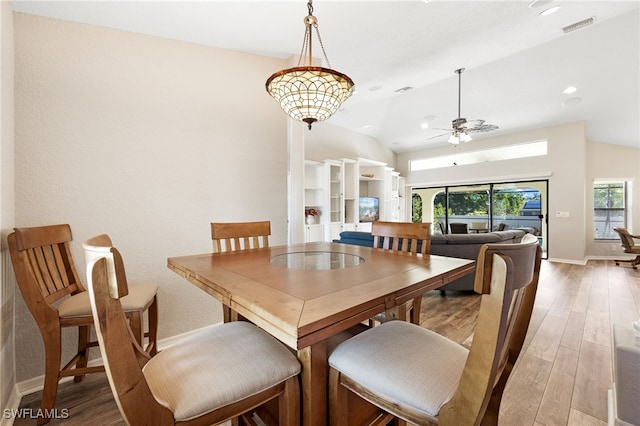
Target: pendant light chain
(328,65)
(310,93)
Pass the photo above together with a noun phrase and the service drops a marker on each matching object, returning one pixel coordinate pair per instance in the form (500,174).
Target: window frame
(611,235)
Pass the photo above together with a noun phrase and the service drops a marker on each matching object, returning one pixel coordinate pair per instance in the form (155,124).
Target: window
(509,152)
(609,209)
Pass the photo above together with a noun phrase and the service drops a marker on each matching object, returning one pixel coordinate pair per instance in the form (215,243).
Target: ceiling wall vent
(403,89)
(579,25)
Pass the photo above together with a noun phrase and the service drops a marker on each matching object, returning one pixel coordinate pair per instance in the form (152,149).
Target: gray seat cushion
(140,295)
(420,380)
(216,367)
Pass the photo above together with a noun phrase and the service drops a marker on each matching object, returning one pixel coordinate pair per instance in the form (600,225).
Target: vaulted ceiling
(517,62)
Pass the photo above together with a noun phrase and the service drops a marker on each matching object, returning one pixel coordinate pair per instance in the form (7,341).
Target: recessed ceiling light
(549,11)
(569,90)
(374,88)
(403,89)
(424,125)
(430,117)
(538,3)
(571,102)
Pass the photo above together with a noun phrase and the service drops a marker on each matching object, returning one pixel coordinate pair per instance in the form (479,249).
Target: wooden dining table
(305,295)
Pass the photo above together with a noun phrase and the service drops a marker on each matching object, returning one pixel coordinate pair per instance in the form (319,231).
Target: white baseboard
(569,261)
(583,262)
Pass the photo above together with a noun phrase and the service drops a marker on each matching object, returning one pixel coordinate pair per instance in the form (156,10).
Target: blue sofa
(463,246)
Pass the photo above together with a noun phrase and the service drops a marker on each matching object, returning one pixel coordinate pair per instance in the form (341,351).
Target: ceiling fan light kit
(308,93)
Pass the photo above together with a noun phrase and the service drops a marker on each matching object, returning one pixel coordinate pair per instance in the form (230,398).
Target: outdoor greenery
(608,196)
(416,202)
(477,203)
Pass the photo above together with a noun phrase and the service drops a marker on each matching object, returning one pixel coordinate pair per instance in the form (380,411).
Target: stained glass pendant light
(305,92)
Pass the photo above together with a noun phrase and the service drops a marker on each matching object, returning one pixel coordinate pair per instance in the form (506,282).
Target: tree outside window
(609,209)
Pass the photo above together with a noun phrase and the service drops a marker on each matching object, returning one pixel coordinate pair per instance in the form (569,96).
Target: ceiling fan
(461,127)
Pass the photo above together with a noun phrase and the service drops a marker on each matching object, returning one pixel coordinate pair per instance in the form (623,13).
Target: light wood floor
(561,378)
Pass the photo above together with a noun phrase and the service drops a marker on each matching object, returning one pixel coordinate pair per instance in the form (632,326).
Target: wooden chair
(458,228)
(630,246)
(210,377)
(53,292)
(439,381)
(239,236)
(407,237)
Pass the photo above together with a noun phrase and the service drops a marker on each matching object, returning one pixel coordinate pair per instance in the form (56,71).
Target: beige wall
(148,140)
(570,166)
(605,161)
(7,282)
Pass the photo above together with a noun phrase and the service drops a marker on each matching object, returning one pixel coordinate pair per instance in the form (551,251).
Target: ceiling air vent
(579,25)
(403,89)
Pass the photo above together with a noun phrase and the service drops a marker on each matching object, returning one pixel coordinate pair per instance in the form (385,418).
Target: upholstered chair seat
(440,361)
(221,372)
(140,294)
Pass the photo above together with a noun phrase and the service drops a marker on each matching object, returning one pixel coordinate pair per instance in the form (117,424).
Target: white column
(295,177)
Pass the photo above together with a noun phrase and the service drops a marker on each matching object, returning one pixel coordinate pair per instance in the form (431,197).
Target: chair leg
(53,356)
(289,403)
(152,347)
(632,262)
(135,322)
(338,400)
(83,340)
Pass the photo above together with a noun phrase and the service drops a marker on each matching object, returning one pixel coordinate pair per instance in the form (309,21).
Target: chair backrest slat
(43,262)
(402,236)
(235,236)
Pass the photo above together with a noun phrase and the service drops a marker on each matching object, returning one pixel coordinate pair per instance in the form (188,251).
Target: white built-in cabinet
(333,188)
(314,198)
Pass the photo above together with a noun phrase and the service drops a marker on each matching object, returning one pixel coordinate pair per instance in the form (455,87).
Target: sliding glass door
(484,207)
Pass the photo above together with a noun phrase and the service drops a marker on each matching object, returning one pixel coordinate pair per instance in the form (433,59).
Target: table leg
(314,384)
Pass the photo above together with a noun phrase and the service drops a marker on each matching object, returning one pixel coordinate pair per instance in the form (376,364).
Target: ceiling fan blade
(438,136)
(470,124)
(483,129)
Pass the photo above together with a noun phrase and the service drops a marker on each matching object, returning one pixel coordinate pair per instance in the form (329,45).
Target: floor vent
(579,25)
